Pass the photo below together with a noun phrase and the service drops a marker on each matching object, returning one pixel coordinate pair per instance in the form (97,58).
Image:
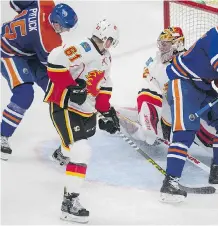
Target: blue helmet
(64,15)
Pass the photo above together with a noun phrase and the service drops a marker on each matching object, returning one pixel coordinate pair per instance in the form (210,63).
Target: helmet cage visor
(164,46)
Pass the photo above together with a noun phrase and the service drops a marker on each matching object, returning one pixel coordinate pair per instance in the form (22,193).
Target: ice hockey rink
(121,188)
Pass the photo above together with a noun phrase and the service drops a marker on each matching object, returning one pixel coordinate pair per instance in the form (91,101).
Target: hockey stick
(190,158)
(199,190)
(196,115)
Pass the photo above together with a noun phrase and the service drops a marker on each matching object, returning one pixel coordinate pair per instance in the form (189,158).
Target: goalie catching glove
(78,93)
(110,122)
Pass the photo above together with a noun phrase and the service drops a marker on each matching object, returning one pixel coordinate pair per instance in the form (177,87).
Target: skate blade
(4,156)
(168,198)
(73,218)
(215,186)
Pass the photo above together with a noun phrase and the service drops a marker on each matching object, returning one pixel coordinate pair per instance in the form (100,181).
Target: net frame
(195,21)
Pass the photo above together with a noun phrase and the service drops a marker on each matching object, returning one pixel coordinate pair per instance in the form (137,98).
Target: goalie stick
(195,190)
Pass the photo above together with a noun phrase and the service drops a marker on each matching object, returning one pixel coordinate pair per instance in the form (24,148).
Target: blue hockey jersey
(199,63)
(30,33)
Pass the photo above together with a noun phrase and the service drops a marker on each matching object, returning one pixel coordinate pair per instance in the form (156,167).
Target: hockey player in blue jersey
(192,85)
(26,42)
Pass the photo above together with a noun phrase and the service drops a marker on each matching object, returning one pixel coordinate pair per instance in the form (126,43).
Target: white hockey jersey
(85,61)
(155,81)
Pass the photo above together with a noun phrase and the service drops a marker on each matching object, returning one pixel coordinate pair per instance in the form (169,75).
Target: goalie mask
(170,42)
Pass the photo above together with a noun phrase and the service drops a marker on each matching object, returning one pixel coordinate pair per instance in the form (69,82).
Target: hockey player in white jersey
(153,109)
(154,114)
(80,86)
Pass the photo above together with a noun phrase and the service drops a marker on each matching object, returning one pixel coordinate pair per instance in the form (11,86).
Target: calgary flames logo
(93,80)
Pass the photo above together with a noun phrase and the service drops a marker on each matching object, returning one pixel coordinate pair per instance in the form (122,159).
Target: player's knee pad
(80,152)
(23,95)
(184,137)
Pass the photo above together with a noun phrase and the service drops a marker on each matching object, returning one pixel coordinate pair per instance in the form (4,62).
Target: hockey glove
(78,93)
(110,122)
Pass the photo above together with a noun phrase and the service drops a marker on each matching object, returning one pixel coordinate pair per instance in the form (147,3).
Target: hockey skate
(72,210)
(60,158)
(170,191)
(213,178)
(5,148)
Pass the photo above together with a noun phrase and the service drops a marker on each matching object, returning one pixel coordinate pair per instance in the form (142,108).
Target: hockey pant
(74,130)
(20,74)
(184,100)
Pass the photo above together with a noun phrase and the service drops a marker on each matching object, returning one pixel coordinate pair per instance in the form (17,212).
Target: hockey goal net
(194,18)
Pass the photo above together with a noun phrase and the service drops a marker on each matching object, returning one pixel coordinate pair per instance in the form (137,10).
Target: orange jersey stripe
(177,106)
(12,74)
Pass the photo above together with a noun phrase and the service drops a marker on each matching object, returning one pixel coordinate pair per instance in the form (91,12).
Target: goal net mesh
(193,21)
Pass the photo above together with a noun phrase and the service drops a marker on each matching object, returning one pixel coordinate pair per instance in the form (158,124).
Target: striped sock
(176,158)
(75,175)
(11,118)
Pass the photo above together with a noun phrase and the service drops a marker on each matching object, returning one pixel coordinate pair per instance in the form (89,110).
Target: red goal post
(194,18)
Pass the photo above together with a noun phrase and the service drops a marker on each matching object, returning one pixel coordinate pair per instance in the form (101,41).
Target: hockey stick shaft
(190,158)
(197,114)
(199,190)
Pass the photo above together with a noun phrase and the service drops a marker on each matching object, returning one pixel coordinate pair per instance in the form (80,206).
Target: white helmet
(105,30)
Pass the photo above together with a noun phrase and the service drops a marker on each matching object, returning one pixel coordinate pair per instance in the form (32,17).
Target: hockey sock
(11,118)
(215,150)
(80,153)
(75,175)
(177,152)
(176,158)
(21,100)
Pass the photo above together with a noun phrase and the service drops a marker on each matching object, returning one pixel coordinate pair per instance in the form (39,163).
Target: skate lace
(76,204)
(61,157)
(174,181)
(4,142)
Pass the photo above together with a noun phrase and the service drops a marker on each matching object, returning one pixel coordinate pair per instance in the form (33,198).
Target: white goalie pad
(150,122)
